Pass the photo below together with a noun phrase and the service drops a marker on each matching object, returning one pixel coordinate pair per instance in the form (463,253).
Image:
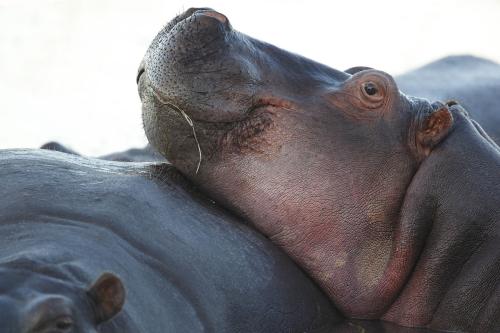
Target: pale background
(67,67)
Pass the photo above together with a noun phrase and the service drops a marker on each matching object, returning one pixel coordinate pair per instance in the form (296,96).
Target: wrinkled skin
(472,81)
(179,262)
(389,202)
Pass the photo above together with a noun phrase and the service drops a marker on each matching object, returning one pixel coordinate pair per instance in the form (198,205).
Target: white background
(67,67)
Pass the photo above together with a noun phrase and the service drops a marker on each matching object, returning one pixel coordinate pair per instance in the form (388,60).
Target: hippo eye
(60,324)
(64,323)
(370,88)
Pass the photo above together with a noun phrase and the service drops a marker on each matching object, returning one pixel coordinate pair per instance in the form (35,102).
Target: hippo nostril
(218,16)
(190,11)
(141,71)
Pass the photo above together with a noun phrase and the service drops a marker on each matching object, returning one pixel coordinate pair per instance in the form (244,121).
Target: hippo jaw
(317,159)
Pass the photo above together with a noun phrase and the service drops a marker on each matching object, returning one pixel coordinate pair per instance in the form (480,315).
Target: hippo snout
(196,20)
(218,16)
(205,11)
(188,45)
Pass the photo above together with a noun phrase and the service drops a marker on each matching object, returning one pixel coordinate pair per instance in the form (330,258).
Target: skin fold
(390,202)
(474,82)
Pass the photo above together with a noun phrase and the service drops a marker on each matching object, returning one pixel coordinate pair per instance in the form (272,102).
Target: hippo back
(187,265)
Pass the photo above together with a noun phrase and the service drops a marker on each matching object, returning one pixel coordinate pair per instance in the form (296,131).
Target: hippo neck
(378,268)
(443,239)
(335,236)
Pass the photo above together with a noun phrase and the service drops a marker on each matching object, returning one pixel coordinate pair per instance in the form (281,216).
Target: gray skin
(146,154)
(472,81)
(169,260)
(388,201)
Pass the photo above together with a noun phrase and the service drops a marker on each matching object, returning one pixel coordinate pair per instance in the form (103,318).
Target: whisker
(188,120)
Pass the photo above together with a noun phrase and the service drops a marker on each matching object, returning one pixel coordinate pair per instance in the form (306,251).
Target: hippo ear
(435,127)
(108,295)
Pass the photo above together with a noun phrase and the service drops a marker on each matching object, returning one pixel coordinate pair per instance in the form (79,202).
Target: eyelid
(270,101)
(49,322)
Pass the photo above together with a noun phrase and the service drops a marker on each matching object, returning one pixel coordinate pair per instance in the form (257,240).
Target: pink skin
(320,161)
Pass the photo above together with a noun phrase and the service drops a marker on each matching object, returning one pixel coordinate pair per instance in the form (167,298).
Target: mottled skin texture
(184,264)
(389,202)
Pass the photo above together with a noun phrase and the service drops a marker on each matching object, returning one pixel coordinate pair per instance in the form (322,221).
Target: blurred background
(67,67)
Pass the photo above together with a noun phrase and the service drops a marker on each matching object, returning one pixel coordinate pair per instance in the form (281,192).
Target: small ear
(435,127)
(108,295)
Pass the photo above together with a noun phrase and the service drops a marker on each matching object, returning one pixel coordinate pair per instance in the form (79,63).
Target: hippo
(89,245)
(145,154)
(473,81)
(389,202)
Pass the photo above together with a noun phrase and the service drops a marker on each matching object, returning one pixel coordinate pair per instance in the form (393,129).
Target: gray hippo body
(187,266)
(473,82)
(146,154)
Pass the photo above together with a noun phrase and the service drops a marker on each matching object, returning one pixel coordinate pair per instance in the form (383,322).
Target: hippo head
(317,159)
(37,303)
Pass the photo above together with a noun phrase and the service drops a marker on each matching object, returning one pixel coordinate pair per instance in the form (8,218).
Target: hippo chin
(388,201)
